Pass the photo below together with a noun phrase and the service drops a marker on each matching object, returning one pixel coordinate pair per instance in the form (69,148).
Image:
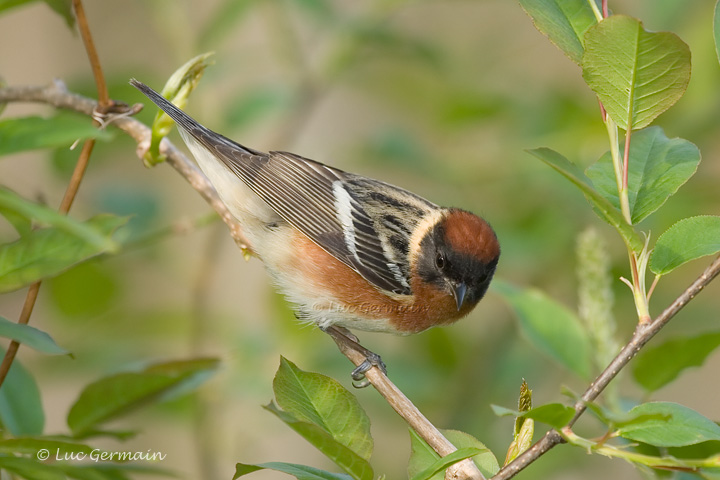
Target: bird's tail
(184,121)
(180,117)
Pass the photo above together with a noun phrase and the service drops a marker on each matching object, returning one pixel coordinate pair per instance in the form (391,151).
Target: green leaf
(112,471)
(62,130)
(6,4)
(524,429)
(118,394)
(688,239)
(322,401)
(550,327)
(442,463)
(30,336)
(564,22)
(12,202)
(522,440)
(716,29)
(485,460)
(32,445)
(328,416)
(30,468)
(524,405)
(64,9)
(636,74)
(659,166)
(554,414)
(608,416)
(358,467)
(49,251)
(657,366)
(421,455)
(601,205)
(20,223)
(121,435)
(679,426)
(21,410)
(709,473)
(699,450)
(501,411)
(301,472)
(424,459)
(177,90)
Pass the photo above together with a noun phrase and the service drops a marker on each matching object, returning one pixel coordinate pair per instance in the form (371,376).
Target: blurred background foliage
(440,97)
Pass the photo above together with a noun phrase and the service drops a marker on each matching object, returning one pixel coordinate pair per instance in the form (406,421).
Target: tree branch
(407,410)
(643,334)
(84,27)
(57,95)
(75,180)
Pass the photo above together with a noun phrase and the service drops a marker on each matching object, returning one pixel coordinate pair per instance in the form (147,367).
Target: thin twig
(643,334)
(58,96)
(84,27)
(407,410)
(30,298)
(33,290)
(75,180)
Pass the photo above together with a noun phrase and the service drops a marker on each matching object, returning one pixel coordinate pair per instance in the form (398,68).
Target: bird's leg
(344,338)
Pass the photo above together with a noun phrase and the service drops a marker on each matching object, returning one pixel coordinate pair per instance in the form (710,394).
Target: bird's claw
(358,374)
(346,339)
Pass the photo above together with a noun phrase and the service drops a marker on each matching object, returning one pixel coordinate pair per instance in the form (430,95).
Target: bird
(346,250)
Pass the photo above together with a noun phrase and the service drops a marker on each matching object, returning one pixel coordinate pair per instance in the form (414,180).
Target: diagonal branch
(643,334)
(57,95)
(75,180)
(464,470)
(93,57)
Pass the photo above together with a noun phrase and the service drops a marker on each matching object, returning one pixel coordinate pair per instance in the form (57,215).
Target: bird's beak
(459,290)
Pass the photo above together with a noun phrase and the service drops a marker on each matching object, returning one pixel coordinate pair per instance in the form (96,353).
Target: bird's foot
(372,359)
(344,338)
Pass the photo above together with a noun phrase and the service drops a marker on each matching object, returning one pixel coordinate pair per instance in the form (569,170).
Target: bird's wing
(319,201)
(364,223)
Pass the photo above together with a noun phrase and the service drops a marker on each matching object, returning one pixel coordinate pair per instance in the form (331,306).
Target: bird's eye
(440,261)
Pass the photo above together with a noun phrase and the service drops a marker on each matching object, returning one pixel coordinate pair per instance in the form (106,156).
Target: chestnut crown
(459,255)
